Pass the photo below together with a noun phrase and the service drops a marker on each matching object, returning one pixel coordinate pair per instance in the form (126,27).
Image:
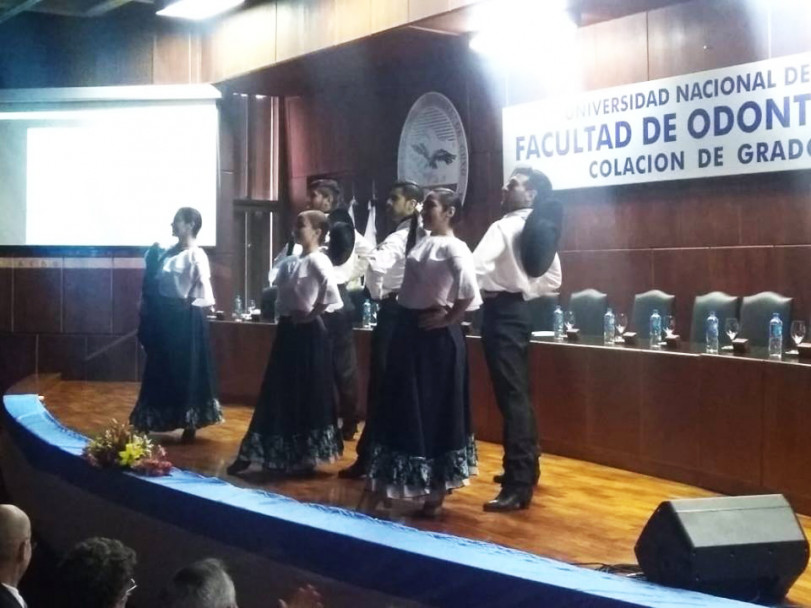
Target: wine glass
(797,332)
(620,322)
(732,327)
(670,326)
(570,320)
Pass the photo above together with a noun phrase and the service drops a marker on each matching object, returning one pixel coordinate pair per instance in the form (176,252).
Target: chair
(589,308)
(756,312)
(724,306)
(644,305)
(541,311)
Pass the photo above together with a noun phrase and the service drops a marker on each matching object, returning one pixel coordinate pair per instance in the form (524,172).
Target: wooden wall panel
(243,41)
(88,296)
(62,355)
(790,275)
(111,359)
(6,295)
(787,420)
(614,400)
(560,395)
(128,275)
(18,358)
(303,27)
(731,394)
(743,270)
(387,14)
(684,273)
(670,410)
(704,35)
(614,52)
(38,280)
(176,54)
(420,9)
(790,28)
(353,19)
(487,421)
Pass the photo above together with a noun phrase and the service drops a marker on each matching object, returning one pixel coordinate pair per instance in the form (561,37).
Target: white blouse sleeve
(328,293)
(464,271)
(201,291)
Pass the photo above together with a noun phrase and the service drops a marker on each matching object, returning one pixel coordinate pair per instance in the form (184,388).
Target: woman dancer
(294,426)
(179,384)
(423,445)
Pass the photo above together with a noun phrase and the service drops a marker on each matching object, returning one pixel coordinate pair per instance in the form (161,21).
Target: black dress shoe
(356,470)
(238,466)
(509,499)
(348,431)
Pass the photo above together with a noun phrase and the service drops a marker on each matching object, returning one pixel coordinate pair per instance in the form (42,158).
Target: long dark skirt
(294,426)
(178,389)
(422,442)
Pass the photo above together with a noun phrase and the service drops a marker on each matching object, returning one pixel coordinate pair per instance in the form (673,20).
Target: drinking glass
(797,331)
(570,320)
(732,327)
(670,325)
(621,323)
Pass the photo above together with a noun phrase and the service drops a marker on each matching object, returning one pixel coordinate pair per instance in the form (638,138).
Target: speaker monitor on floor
(750,548)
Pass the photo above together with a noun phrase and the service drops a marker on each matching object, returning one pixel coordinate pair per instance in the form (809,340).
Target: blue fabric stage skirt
(178,389)
(423,442)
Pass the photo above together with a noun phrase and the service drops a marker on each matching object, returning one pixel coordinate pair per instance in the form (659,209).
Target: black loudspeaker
(750,548)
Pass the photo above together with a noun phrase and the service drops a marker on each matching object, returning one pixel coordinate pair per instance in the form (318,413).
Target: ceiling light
(198,9)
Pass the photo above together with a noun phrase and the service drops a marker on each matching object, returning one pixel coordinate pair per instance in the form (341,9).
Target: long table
(731,423)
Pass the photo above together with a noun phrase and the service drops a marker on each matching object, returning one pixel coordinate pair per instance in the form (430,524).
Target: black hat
(540,237)
(341,237)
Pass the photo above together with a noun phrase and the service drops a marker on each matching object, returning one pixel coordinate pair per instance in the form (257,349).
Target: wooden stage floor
(581,513)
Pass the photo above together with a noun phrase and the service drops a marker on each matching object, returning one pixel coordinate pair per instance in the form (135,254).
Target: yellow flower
(131,453)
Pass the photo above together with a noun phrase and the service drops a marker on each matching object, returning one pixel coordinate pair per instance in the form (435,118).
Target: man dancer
(383,280)
(325,196)
(506,331)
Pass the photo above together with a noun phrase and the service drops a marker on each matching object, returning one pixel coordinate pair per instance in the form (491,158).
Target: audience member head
(97,573)
(525,188)
(15,544)
(324,195)
(203,584)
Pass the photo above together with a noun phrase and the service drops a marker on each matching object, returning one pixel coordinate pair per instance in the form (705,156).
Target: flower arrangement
(120,446)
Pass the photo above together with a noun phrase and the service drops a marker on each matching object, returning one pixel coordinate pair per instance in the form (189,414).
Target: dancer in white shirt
(294,425)
(178,389)
(423,446)
(384,276)
(506,331)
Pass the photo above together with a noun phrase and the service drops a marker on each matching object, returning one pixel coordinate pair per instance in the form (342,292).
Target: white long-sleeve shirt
(187,274)
(439,271)
(387,263)
(498,260)
(305,281)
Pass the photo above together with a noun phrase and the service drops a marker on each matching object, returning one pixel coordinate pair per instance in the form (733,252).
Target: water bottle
(609,328)
(367,314)
(375,308)
(237,308)
(655,329)
(557,323)
(776,336)
(712,334)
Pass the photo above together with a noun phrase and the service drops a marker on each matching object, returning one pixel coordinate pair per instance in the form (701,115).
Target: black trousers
(344,358)
(506,330)
(381,339)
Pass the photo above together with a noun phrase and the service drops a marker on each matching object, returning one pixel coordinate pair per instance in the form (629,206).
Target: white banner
(751,118)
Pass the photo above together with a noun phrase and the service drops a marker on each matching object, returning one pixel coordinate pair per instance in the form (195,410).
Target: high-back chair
(757,311)
(722,304)
(644,305)
(589,308)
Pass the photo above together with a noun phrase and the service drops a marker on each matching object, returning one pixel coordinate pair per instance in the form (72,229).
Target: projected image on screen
(108,177)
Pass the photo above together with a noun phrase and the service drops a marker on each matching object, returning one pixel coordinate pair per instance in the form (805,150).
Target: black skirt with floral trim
(178,389)
(423,442)
(294,425)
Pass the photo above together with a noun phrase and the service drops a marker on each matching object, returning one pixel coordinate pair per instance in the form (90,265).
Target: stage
(582,513)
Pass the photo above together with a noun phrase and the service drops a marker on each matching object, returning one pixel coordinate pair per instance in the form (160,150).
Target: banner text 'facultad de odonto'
(750,118)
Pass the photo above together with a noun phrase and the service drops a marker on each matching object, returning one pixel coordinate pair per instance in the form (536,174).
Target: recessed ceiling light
(198,9)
